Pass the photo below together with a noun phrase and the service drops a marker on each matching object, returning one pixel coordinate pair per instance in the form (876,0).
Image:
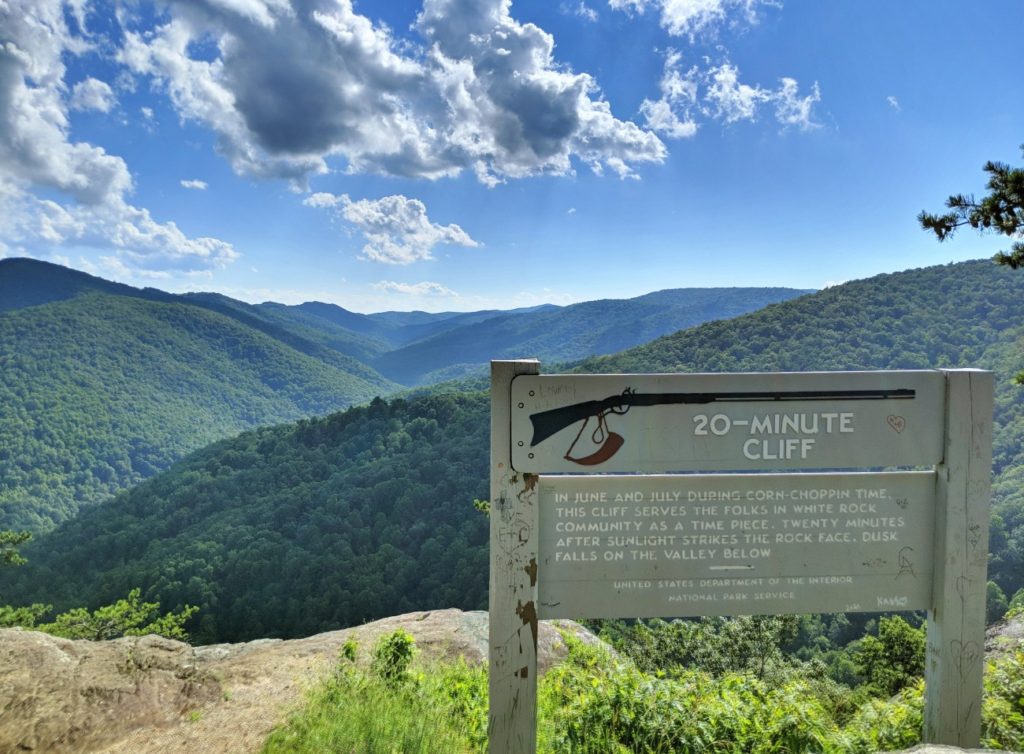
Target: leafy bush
(390,710)
(1002,715)
(392,657)
(126,617)
(893,659)
(595,703)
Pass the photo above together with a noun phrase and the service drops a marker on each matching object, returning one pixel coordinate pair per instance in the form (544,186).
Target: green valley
(293,529)
(105,385)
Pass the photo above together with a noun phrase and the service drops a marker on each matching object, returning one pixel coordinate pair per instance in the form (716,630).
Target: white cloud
(288,91)
(194,184)
(893,102)
(424,289)
(662,118)
(717,92)
(322,200)
(792,109)
(692,17)
(396,228)
(678,95)
(580,9)
(92,94)
(730,100)
(86,189)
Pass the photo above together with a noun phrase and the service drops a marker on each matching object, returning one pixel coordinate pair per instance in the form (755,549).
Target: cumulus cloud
(92,94)
(692,17)
(424,289)
(288,89)
(730,100)
(893,102)
(396,228)
(195,184)
(717,92)
(671,115)
(86,189)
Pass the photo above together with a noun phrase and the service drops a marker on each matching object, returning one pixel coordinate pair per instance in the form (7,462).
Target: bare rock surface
(143,695)
(149,695)
(1005,637)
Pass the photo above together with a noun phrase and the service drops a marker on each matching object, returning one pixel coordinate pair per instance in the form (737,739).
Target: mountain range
(105,385)
(293,529)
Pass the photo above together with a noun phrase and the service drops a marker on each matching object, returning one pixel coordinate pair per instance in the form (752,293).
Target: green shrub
(389,711)
(893,659)
(127,617)
(884,724)
(392,657)
(1002,714)
(596,704)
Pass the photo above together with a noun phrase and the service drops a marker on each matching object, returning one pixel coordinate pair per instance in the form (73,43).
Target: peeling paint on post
(512,724)
(956,624)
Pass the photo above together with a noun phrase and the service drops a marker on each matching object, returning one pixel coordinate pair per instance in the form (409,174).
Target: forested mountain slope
(961,315)
(105,384)
(29,282)
(289,530)
(571,332)
(100,391)
(401,328)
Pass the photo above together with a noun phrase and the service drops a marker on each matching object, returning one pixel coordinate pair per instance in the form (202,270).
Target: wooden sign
(729,422)
(734,544)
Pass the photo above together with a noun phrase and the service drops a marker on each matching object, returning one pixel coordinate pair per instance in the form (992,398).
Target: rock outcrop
(1005,637)
(149,695)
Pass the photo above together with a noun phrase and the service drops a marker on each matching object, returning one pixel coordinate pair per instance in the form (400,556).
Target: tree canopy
(9,541)
(291,530)
(1000,211)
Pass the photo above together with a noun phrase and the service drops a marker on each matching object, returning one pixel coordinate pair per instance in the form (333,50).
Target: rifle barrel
(547,423)
(660,399)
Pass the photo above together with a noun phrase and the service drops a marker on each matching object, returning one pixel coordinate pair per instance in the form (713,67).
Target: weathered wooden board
(955,660)
(735,544)
(512,593)
(722,544)
(728,422)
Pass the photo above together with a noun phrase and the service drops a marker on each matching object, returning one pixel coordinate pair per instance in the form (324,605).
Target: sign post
(955,658)
(512,597)
(665,544)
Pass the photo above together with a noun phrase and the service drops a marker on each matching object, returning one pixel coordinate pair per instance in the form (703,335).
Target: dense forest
(293,529)
(969,315)
(105,385)
(101,391)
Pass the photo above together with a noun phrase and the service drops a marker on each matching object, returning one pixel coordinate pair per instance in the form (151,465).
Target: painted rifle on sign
(552,421)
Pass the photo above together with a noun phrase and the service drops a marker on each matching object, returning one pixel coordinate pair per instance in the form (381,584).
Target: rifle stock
(547,423)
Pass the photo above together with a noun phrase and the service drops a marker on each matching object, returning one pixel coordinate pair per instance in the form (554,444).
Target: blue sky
(467,154)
